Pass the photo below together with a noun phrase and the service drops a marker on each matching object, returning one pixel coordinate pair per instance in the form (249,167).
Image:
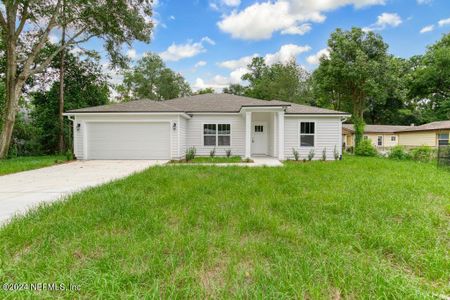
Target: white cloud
(428,28)
(385,20)
(236,75)
(200,63)
(297,29)
(131,53)
(424,1)
(315,59)
(208,40)
(260,20)
(217,83)
(231,2)
(285,54)
(172,17)
(444,22)
(237,63)
(175,52)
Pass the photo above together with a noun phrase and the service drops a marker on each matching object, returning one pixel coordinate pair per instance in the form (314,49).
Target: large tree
(355,70)
(430,81)
(84,85)
(281,81)
(26,25)
(151,79)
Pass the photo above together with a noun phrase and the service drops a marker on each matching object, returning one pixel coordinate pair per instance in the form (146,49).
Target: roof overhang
(182,114)
(344,115)
(264,108)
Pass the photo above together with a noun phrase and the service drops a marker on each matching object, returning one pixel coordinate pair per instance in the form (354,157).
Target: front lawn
(357,228)
(19,164)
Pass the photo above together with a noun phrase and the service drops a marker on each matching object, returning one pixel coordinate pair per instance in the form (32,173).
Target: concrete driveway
(22,191)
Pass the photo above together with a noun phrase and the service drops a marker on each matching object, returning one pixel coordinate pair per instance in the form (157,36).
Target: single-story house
(386,136)
(146,129)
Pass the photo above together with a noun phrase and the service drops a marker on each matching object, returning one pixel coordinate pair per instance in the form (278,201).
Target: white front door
(260,138)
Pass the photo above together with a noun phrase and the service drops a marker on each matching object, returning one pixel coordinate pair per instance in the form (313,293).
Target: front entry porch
(264,132)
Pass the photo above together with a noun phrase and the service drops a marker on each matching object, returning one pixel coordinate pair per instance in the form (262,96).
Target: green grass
(357,228)
(19,164)
(217,159)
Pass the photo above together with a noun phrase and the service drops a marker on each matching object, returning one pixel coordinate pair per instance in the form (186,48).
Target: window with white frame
(307,134)
(216,134)
(443,139)
(393,138)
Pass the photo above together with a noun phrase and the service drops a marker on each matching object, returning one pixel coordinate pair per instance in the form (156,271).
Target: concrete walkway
(22,191)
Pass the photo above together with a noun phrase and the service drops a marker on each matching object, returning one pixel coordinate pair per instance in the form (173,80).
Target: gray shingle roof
(203,103)
(439,125)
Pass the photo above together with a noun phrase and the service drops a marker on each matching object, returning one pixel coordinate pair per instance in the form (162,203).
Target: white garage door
(121,140)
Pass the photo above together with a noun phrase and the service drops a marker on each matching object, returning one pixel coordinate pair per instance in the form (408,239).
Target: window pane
(209,128)
(224,140)
(224,128)
(209,140)
(443,142)
(307,140)
(307,127)
(380,141)
(443,136)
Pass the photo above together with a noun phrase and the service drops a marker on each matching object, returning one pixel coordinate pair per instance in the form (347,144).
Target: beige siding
(386,139)
(327,135)
(418,138)
(194,137)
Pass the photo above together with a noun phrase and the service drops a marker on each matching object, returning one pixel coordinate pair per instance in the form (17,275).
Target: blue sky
(210,41)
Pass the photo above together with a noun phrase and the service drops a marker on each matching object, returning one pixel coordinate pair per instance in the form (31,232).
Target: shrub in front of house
(295,153)
(212,153)
(228,152)
(422,153)
(311,154)
(365,148)
(398,153)
(190,153)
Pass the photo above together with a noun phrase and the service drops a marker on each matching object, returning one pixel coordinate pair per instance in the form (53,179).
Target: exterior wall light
(174,126)
(78,126)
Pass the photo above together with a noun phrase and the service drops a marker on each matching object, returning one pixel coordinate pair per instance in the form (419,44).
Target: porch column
(248,134)
(281,135)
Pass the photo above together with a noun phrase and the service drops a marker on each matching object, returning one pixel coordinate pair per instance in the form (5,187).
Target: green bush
(311,154)
(422,153)
(190,153)
(228,152)
(295,153)
(399,153)
(365,148)
(212,153)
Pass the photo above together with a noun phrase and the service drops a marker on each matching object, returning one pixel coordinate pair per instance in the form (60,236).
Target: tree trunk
(12,100)
(61,95)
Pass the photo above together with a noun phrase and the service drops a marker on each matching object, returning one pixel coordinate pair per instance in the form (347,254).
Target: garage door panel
(122,140)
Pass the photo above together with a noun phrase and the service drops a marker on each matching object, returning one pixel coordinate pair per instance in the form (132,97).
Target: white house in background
(146,129)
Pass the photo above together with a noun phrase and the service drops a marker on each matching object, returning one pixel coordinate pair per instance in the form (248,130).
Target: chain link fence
(443,156)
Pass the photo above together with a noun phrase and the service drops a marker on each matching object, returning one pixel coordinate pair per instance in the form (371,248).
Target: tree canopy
(151,79)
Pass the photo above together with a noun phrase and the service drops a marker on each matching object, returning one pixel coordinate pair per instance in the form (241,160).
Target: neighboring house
(381,135)
(386,136)
(146,129)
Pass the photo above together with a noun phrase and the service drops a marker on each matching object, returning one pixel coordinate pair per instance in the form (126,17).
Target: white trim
(85,144)
(318,115)
(281,135)
(179,136)
(245,109)
(215,113)
(248,134)
(314,134)
(217,134)
(184,115)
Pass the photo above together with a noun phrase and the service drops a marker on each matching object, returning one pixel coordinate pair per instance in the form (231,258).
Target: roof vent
(412,125)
